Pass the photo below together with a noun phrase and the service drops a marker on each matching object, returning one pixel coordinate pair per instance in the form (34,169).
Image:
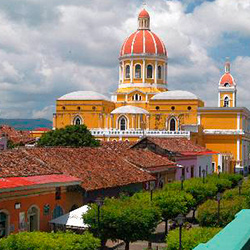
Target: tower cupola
(227,88)
(144,20)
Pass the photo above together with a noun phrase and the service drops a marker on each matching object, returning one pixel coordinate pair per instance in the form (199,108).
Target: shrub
(234,178)
(190,238)
(199,190)
(49,241)
(208,211)
(221,183)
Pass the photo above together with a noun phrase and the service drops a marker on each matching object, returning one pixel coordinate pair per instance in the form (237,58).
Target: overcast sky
(51,47)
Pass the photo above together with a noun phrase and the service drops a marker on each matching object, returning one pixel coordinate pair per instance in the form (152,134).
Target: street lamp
(240,186)
(180,221)
(218,198)
(203,175)
(219,171)
(182,181)
(99,202)
(151,188)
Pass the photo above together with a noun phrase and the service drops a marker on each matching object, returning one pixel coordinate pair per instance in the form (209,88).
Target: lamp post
(219,171)
(240,186)
(203,175)
(180,221)
(99,202)
(182,181)
(218,198)
(151,188)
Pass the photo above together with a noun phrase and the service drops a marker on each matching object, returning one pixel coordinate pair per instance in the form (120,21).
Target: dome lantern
(144,20)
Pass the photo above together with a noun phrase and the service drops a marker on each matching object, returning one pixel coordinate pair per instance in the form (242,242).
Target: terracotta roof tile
(178,145)
(139,157)
(97,168)
(16,136)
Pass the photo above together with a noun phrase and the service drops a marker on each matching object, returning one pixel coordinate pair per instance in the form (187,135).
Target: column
(238,149)
(238,121)
(143,71)
(123,71)
(131,71)
(156,65)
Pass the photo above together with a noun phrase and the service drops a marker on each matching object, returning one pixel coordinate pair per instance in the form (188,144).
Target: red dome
(143,42)
(143,14)
(227,78)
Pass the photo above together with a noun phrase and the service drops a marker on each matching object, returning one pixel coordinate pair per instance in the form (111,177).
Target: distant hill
(26,124)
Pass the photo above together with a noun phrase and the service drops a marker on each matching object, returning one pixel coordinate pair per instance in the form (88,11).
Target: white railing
(140,133)
(223,131)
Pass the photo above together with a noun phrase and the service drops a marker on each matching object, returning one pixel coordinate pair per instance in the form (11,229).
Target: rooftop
(97,168)
(178,145)
(83,95)
(128,109)
(175,95)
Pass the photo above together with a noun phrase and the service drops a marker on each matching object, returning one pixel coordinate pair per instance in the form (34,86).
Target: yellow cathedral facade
(143,106)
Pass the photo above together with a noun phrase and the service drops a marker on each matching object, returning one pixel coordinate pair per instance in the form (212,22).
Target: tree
(208,211)
(74,136)
(190,238)
(126,219)
(172,203)
(52,241)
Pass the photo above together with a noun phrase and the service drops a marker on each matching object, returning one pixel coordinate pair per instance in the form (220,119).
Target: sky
(49,48)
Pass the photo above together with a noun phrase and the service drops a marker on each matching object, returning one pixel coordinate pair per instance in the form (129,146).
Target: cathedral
(143,106)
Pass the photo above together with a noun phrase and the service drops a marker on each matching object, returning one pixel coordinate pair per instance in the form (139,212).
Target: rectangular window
(213,167)
(199,171)
(58,193)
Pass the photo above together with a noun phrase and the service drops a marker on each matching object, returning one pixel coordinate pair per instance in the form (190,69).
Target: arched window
(3,224)
(122,123)
(150,71)
(159,72)
(172,124)
(226,101)
(33,219)
(137,71)
(127,75)
(58,211)
(226,84)
(77,120)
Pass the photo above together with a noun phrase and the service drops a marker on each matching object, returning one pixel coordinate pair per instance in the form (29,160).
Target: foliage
(190,238)
(221,183)
(126,219)
(49,241)
(74,136)
(234,178)
(208,211)
(199,190)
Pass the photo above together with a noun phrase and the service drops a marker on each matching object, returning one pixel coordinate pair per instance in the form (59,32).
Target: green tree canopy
(73,136)
(52,241)
(172,203)
(190,238)
(124,219)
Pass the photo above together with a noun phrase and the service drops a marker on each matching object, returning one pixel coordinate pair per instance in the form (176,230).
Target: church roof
(129,110)
(84,95)
(175,95)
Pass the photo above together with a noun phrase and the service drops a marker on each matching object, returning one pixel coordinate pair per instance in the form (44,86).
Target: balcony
(138,133)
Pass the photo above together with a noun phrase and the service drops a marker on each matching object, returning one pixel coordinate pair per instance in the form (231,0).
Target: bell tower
(227,88)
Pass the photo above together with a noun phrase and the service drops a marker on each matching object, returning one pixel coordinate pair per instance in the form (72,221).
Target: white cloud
(50,48)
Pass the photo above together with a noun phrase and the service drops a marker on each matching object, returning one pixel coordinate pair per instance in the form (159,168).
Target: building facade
(143,106)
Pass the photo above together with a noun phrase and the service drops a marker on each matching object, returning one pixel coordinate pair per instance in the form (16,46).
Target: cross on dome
(227,65)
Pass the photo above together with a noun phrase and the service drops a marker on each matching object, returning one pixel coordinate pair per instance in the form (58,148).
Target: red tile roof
(180,145)
(35,181)
(97,168)
(16,136)
(139,157)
